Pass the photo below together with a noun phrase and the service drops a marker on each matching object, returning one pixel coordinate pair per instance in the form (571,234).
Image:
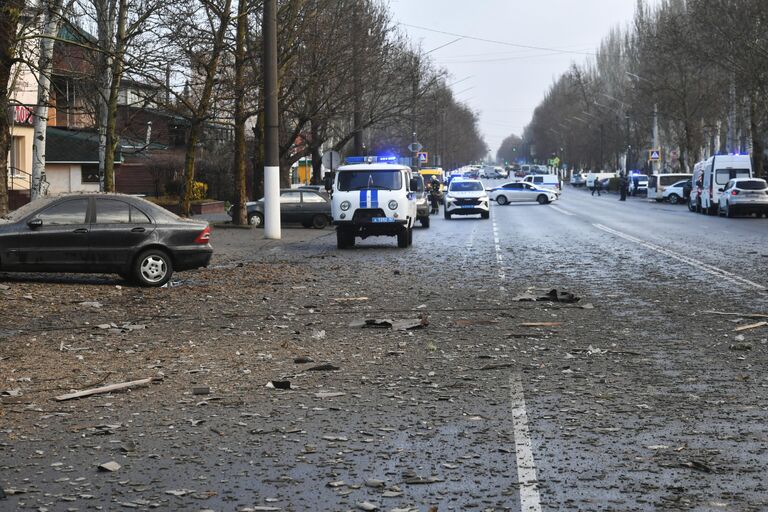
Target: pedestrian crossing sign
(654,155)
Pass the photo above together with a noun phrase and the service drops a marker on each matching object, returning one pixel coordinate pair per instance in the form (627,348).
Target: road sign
(654,155)
(331,160)
(414,147)
(423,157)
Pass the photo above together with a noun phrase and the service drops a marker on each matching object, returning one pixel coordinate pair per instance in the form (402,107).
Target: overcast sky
(505,82)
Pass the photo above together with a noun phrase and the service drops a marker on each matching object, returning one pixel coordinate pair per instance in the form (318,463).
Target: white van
(658,183)
(716,172)
(548,181)
(373,200)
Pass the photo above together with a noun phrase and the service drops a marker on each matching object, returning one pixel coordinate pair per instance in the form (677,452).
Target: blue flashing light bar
(372,159)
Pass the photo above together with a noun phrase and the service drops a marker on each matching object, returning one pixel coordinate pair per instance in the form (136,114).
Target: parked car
(676,193)
(517,192)
(637,184)
(578,179)
(422,201)
(307,207)
(102,233)
(744,195)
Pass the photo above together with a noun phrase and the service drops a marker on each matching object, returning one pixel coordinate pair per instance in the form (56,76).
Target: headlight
(345,205)
(392,205)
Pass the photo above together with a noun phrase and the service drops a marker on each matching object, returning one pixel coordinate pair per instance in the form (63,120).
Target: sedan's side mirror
(35,223)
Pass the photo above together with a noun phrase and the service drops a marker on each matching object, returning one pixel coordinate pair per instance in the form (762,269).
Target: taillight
(735,192)
(204,237)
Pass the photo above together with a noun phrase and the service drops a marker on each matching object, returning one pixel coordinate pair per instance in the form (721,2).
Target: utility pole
(626,156)
(271,129)
(655,163)
(602,144)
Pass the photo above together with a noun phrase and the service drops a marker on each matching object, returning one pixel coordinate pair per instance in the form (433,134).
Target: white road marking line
(715,271)
(560,210)
(530,501)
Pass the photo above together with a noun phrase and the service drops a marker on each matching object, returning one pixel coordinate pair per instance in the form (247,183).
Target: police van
(373,199)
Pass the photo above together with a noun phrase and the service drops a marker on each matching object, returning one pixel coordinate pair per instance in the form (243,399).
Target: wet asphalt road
(640,401)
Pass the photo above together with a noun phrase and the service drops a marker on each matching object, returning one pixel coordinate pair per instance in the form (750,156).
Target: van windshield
(378,179)
(723,176)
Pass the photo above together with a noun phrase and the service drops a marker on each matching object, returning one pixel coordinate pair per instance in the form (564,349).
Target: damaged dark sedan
(102,233)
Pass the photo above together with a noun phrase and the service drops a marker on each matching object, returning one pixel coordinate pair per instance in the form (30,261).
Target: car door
(529,192)
(290,206)
(313,204)
(56,238)
(512,191)
(117,229)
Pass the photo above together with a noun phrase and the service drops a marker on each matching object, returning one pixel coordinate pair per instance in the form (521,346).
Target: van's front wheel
(402,239)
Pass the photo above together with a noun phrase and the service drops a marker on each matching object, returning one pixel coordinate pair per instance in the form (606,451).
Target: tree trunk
(317,165)
(757,140)
(187,184)
(118,64)
(51,25)
(258,157)
(200,111)
(240,215)
(10,12)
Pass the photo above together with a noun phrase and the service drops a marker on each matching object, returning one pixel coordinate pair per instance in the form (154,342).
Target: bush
(199,191)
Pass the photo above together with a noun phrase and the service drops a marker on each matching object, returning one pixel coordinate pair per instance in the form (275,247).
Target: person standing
(623,186)
(596,186)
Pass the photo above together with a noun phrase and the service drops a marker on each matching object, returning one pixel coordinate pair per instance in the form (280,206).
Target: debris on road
(329,394)
(552,295)
(395,325)
(279,384)
(105,389)
(109,467)
(203,390)
(750,326)
(323,368)
(303,360)
(540,324)
(351,299)
(367,505)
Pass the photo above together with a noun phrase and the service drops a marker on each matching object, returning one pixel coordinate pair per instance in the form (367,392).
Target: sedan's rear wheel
(502,200)
(674,198)
(153,267)
(728,211)
(319,221)
(542,199)
(256,220)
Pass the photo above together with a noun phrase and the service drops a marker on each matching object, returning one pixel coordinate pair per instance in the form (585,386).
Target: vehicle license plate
(381,219)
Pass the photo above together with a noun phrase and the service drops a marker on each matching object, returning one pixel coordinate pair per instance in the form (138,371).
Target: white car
(675,192)
(466,197)
(518,192)
(744,195)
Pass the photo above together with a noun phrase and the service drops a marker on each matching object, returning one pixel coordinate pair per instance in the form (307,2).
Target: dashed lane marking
(723,274)
(530,501)
(560,210)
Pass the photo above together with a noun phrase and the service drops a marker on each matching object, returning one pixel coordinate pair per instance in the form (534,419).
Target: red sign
(23,114)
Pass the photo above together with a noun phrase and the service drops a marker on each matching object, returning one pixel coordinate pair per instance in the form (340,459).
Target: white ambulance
(716,172)
(375,199)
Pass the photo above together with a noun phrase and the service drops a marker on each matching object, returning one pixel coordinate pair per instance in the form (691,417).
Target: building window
(90,173)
